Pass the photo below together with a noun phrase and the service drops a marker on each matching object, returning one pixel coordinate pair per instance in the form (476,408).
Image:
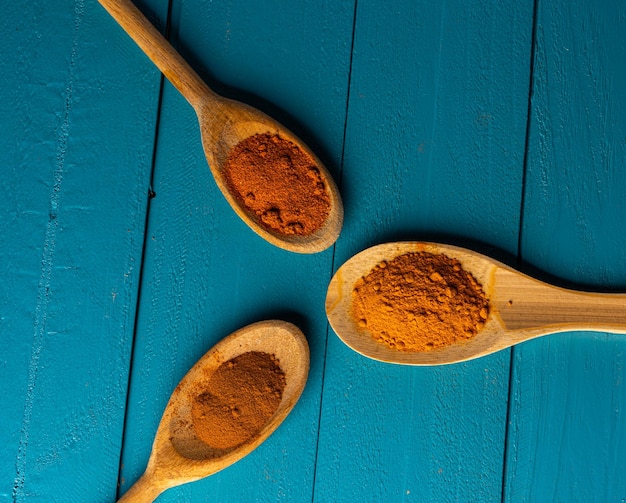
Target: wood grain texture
(567,439)
(205,273)
(435,104)
(77,125)
(520,307)
(434,145)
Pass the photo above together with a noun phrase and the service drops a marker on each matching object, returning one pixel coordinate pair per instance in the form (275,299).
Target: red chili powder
(279,184)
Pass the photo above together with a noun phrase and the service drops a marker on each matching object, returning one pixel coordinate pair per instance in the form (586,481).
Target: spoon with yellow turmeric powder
(230,402)
(272,180)
(419,303)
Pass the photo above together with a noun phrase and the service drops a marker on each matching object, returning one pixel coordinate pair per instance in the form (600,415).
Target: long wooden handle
(526,303)
(160,51)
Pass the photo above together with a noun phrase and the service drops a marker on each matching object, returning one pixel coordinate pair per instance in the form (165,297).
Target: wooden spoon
(521,307)
(178,456)
(223,124)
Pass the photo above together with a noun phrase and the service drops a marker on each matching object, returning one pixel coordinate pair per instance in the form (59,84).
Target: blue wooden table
(495,124)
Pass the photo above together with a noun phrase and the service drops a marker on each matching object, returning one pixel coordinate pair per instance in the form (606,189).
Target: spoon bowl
(178,456)
(520,307)
(224,123)
(238,122)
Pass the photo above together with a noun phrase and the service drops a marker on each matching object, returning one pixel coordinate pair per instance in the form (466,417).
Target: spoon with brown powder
(230,401)
(418,303)
(273,181)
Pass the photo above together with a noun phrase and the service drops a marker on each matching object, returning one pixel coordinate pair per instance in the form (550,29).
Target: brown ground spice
(279,183)
(239,399)
(419,301)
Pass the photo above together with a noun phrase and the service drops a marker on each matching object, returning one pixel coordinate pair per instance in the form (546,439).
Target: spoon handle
(142,491)
(528,304)
(160,51)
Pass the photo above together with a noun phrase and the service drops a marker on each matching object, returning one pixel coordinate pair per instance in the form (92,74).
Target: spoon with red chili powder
(272,180)
(230,401)
(418,303)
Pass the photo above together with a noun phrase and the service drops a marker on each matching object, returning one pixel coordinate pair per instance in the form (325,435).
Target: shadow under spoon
(225,123)
(520,307)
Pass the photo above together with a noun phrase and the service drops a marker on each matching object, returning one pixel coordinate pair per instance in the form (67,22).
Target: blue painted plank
(77,126)
(206,273)
(434,149)
(567,440)
(74,209)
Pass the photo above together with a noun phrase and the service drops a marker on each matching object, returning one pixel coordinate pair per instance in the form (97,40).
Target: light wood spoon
(223,124)
(521,307)
(178,456)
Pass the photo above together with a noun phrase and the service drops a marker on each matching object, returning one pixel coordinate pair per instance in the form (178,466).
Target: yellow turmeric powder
(418,302)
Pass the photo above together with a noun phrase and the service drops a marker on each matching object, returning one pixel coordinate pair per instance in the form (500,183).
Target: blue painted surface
(77,123)
(421,111)
(206,274)
(567,440)
(434,147)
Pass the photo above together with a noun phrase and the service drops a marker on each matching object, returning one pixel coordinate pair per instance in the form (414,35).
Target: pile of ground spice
(279,183)
(419,301)
(238,400)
